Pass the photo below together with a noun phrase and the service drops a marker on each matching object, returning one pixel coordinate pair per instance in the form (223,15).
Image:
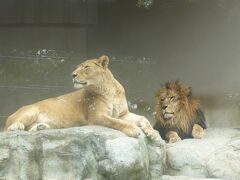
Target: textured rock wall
(99,153)
(215,156)
(88,152)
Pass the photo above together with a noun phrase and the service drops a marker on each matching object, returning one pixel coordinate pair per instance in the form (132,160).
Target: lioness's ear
(187,90)
(103,61)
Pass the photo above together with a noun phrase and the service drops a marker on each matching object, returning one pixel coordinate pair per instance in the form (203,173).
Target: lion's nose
(164,107)
(74,75)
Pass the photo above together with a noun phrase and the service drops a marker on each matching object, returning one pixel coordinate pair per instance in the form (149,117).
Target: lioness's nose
(164,107)
(74,75)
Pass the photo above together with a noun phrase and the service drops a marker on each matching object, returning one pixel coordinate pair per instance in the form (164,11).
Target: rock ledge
(88,152)
(217,155)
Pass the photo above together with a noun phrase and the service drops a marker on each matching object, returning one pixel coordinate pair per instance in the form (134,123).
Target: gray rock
(217,155)
(165,177)
(99,153)
(83,153)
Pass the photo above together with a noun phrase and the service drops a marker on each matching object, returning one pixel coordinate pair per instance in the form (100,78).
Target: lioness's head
(91,72)
(173,100)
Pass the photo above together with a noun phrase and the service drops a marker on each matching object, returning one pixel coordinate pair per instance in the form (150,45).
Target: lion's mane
(188,114)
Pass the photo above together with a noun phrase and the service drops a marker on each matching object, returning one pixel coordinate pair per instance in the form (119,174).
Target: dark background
(195,41)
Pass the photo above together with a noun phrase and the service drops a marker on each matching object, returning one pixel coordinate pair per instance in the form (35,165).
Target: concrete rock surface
(166,177)
(217,155)
(88,152)
(99,153)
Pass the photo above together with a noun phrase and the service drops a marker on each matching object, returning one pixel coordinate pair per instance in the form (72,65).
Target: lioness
(100,101)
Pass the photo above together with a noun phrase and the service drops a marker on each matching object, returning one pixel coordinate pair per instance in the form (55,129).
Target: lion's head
(175,107)
(91,72)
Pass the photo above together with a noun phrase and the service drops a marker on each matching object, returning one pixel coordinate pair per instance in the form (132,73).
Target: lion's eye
(86,67)
(172,97)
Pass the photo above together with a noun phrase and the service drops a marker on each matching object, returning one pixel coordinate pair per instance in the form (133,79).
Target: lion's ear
(103,61)
(187,90)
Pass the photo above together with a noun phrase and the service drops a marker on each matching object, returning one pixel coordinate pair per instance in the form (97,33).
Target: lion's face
(171,99)
(90,72)
(170,104)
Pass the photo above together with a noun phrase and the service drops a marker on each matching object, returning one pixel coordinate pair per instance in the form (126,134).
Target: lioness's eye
(85,67)
(162,99)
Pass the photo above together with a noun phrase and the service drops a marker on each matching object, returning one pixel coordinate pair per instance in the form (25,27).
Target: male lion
(100,101)
(178,114)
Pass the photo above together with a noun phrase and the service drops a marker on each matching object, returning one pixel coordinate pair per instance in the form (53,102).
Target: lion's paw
(197,131)
(173,137)
(16,127)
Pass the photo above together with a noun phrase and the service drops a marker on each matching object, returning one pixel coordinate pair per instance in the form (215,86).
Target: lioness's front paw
(147,129)
(132,131)
(197,131)
(173,137)
(154,136)
(16,127)
(151,133)
(39,127)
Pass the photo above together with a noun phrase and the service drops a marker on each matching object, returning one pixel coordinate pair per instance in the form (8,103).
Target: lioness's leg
(197,131)
(128,128)
(39,127)
(148,129)
(15,127)
(172,137)
(142,122)
(21,119)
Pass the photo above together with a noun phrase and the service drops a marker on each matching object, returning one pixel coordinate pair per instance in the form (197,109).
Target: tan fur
(197,131)
(100,101)
(173,137)
(177,98)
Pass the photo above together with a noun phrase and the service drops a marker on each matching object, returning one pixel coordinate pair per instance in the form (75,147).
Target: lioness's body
(101,100)
(61,112)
